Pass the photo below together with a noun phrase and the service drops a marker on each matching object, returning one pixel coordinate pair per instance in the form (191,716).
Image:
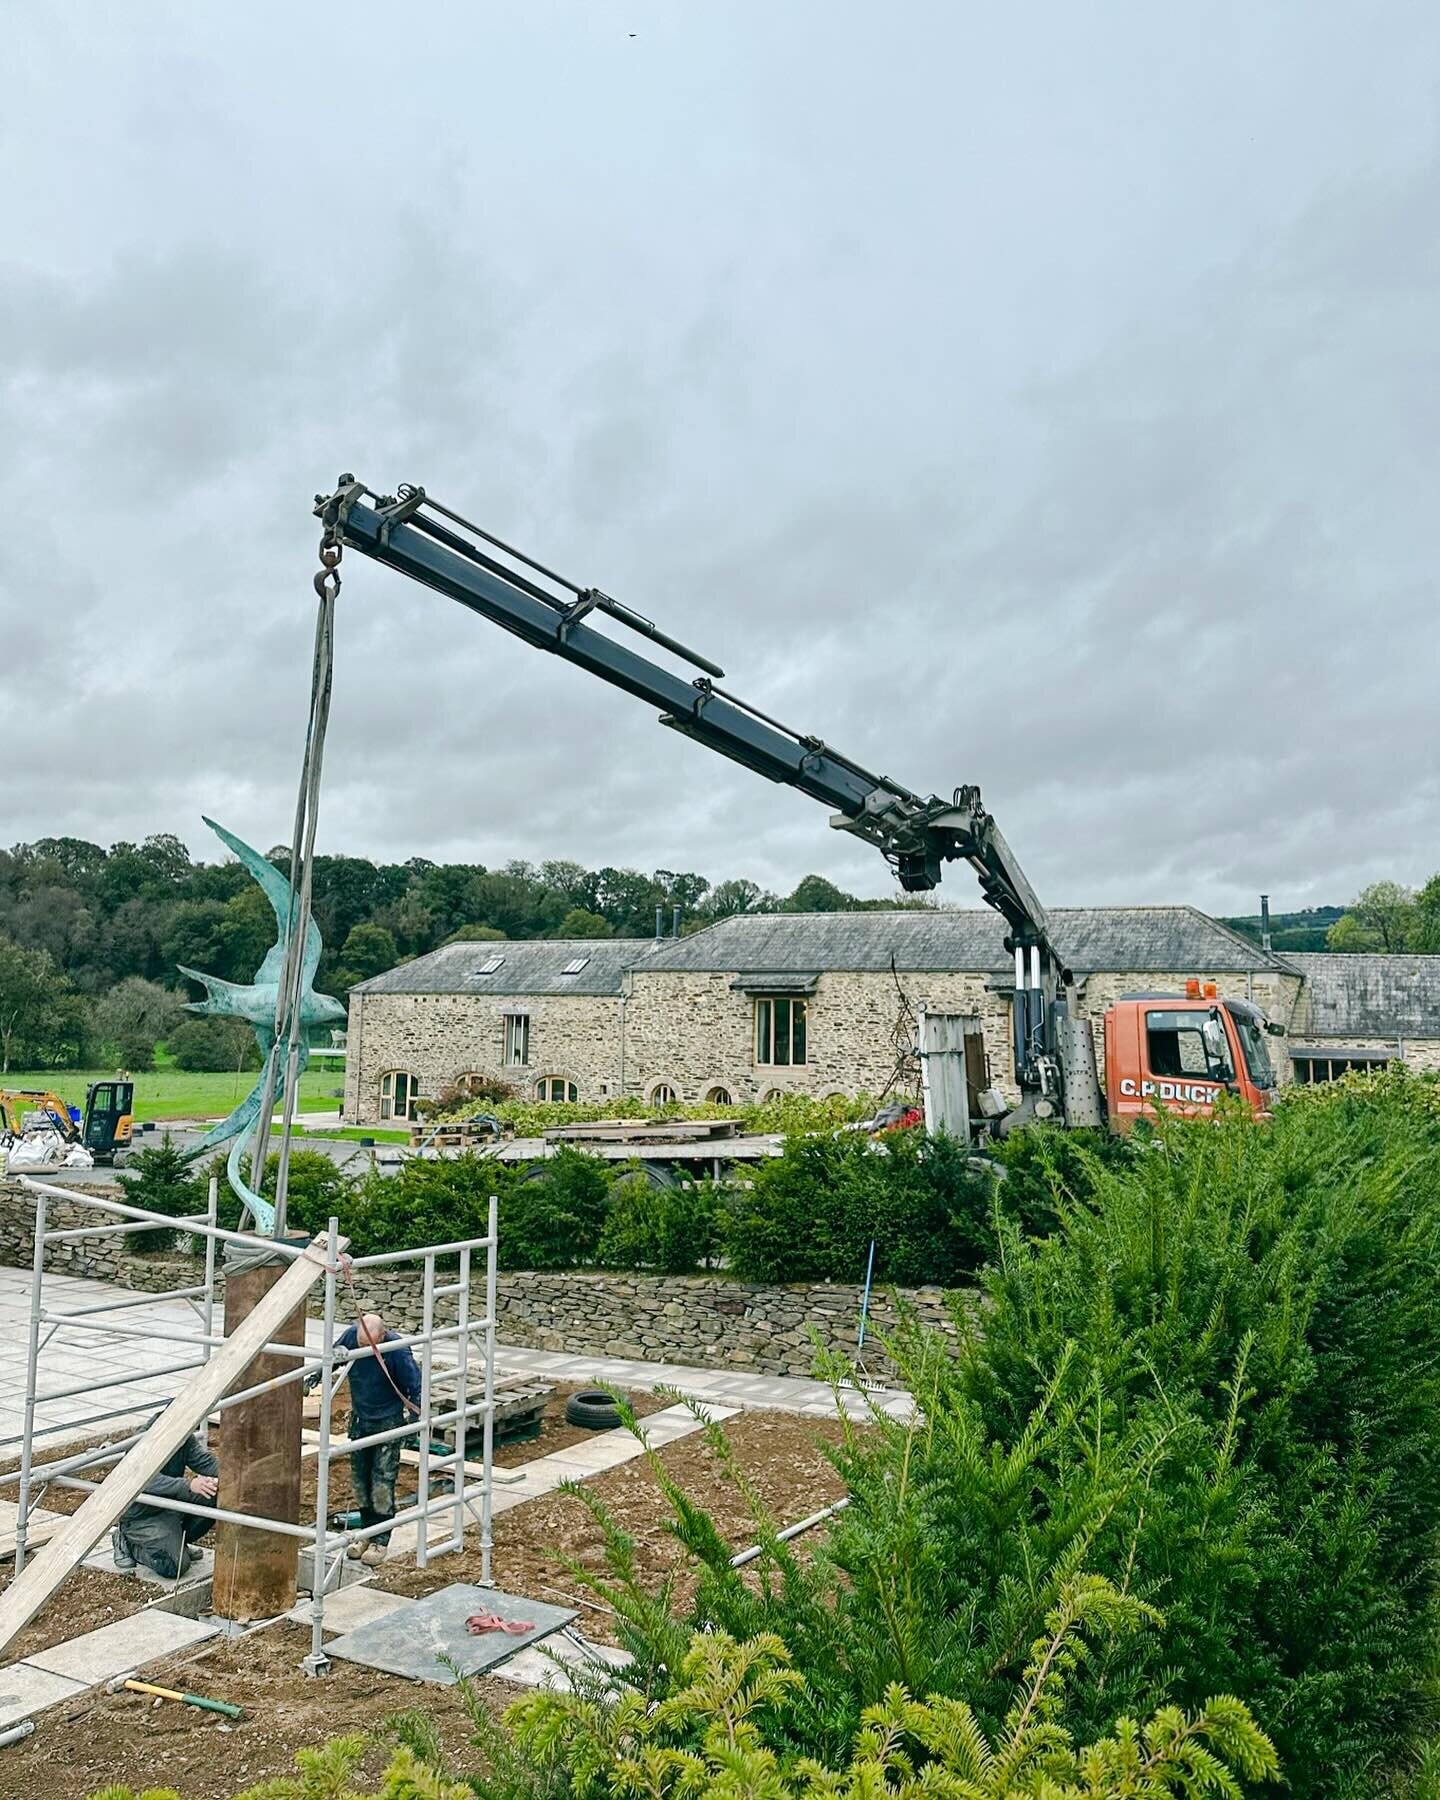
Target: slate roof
(1368,996)
(531,966)
(1120,939)
(1117,939)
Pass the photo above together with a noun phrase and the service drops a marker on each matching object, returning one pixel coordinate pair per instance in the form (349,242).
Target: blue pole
(865,1301)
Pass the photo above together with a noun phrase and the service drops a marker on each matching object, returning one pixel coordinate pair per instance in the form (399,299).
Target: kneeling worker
(154,1535)
(383,1390)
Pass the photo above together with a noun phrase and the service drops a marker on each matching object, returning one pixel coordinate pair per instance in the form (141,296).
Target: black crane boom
(916,834)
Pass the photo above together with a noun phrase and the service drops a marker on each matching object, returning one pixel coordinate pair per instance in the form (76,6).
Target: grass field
(172,1094)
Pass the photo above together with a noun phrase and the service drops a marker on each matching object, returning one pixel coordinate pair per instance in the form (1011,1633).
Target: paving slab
(25,1690)
(597,1454)
(675,1421)
(353,1607)
(117,1649)
(537,1668)
(413,1642)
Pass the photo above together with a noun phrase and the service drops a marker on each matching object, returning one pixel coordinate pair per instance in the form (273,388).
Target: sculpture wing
(277,891)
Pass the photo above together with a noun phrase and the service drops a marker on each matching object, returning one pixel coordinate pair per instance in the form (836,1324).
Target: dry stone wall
(705,1321)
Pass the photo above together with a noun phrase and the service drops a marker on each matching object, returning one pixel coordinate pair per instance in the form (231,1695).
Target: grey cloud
(881,397)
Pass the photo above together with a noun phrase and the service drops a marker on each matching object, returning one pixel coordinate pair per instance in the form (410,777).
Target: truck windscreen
(1252,1042)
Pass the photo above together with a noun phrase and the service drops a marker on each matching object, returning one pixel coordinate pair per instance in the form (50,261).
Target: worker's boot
(120,1552)
(373,1555)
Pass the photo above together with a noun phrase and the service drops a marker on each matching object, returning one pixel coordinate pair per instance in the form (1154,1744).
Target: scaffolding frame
(329,1544)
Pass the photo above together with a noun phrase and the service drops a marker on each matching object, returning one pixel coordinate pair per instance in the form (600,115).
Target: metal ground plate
(412,1642)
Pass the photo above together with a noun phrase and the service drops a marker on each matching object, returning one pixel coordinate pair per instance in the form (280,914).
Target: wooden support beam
(259,1464)
(126,1482)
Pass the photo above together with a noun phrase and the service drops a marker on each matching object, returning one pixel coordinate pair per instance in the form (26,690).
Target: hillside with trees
(91,939)
(1383,919)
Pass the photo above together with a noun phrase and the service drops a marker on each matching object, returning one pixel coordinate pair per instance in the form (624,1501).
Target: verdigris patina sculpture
(257,1004)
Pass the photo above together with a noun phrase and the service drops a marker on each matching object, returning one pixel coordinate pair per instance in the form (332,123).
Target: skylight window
(490,965)
(575,965)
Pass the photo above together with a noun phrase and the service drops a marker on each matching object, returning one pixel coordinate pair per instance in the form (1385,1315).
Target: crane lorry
(1177,1052)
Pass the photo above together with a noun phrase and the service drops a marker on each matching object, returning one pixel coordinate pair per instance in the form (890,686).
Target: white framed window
(517,1040)
(719,1096)
(556,1087)
(780,1031)
(575,965)
(662,1094)
(399,1090)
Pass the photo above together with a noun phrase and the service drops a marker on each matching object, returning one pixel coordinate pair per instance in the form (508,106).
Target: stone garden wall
(702,1320)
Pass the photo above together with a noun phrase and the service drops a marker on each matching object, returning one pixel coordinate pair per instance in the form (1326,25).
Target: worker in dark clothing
(384,1392)
(154,1535)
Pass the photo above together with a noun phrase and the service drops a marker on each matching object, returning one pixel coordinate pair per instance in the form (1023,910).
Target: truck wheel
(593,1410)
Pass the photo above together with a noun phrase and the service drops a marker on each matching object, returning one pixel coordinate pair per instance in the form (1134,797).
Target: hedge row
(811,1214)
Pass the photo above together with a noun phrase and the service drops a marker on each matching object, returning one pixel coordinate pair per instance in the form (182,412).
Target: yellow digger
(104,1127)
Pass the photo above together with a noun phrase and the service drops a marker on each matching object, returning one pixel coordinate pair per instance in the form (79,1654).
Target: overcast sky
(1042,396)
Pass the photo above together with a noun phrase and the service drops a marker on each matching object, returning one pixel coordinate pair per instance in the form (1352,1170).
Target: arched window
(772,1094)
(556,1087)
(719,1096)
(662,1094)
(399,1090)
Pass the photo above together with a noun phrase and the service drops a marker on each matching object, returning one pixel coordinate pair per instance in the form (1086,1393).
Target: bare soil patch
(781,1456)
(103,1738)
(556,1434)
(89,1599)
(107,1738)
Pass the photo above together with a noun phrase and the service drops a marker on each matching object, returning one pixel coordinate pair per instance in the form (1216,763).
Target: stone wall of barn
(439,1037)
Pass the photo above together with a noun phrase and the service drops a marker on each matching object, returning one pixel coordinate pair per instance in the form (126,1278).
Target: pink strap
(479,1623)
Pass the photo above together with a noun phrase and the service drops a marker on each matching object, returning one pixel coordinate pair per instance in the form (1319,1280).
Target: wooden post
(259,1454)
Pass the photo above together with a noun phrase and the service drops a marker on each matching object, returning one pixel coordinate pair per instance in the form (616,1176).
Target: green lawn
(172,1094)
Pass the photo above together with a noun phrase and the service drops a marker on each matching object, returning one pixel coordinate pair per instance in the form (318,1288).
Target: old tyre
(592,1409)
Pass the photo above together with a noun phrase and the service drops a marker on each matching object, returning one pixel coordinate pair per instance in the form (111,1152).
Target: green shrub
(672,1230)
(812,1211)
(316,1189)
(1048,1169)
(423,1203)
(159,1179)
(1216,1383)
(553,1213)
(212,1045)
(712,1734)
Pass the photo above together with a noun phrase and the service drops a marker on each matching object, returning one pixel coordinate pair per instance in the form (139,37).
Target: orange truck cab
(1180,1052)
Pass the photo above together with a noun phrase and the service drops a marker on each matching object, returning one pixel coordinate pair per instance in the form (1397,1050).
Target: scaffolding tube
(329,1544)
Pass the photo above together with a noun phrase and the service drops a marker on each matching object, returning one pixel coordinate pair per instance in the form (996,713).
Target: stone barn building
(824,1003)
(542,1015)
(1359,1012)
